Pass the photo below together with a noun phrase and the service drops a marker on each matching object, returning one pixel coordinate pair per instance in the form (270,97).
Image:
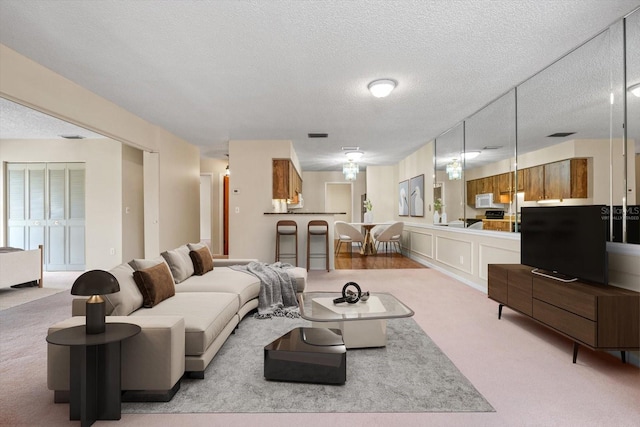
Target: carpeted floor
(411,374)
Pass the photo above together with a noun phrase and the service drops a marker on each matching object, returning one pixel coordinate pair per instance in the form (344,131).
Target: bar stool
(286,227)
(320,228)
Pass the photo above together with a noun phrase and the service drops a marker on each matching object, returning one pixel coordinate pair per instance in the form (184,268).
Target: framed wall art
(403,198)
(416,200)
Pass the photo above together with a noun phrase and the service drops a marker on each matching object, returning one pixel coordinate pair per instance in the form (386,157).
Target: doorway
(205,209)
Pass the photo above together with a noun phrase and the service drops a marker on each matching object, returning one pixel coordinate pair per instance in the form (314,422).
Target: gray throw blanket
(277,291)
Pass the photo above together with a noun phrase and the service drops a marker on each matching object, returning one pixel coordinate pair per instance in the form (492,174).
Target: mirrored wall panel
(448,196)
(489,165)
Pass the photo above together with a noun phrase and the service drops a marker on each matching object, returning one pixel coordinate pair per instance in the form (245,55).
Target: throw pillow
(202,261)
(180,263)
(196,246)
(155,284)
(142,263)
(129,298)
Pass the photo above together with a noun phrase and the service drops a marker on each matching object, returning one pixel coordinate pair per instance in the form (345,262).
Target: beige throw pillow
(129,298)
(155,284)
(180,263)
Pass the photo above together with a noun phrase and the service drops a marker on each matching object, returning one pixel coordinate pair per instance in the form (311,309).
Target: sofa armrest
(223,262)
(151,360)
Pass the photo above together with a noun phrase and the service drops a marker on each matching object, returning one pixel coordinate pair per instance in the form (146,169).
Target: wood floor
(346,261)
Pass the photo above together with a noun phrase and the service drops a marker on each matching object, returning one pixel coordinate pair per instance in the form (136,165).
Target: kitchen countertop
(305,213)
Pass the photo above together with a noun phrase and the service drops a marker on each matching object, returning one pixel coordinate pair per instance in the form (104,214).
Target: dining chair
(347,233)
(391,235)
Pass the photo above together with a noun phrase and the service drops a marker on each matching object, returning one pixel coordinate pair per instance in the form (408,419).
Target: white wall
(313,190)
(103,180)
(28,83)
(132,204)
(251,233)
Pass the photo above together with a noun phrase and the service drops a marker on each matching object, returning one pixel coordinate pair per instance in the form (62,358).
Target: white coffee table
(363,324)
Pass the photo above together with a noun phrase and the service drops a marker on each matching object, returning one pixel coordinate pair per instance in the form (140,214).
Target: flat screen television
(566,242)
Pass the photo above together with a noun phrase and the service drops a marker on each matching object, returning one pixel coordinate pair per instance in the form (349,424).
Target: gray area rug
(411,374)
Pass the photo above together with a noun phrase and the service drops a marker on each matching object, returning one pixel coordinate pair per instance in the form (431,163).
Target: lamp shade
(95,282)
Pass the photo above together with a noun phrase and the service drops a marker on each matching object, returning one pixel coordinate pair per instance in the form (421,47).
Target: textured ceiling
(20,122)
(214,71)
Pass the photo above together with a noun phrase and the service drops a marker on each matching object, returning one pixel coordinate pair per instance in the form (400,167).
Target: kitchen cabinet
(287,183)
(520,180)
(497,224)
(566,179)
(472,190)
(534,183)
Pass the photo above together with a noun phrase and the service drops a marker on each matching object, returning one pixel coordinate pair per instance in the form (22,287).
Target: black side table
(95,370)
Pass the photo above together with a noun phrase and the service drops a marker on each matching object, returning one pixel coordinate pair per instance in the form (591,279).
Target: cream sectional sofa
(180,335)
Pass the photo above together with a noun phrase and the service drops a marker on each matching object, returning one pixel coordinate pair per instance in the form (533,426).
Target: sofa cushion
(129,299)
(155,284)
(179,262)
(224,279)
(205,316)
(202,261)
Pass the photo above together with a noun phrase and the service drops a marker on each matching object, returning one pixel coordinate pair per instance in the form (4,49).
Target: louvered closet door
(26,205)
(76,218)
(46,206)
(65,220)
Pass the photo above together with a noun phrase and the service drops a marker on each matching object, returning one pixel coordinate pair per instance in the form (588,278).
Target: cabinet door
(497,283)
(280,179)
(520,180)
(557,180)
(520,292)
(534,183)
(495,188)
(471,192)
(579,178)
(504,182)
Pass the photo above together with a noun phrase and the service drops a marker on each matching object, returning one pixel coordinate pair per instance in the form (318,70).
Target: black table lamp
(93,284)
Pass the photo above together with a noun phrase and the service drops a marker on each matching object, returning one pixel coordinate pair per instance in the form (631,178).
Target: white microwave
(485,201)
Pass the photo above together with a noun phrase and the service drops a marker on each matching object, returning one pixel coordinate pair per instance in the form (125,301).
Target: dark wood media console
(597,317)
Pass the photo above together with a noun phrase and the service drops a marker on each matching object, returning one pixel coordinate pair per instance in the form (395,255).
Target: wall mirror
(570,138)
(489,165)
(632,213)
(450,178)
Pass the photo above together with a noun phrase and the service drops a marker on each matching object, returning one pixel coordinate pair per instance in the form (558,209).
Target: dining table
(368,246)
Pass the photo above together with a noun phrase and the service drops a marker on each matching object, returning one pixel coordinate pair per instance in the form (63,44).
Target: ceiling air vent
(72,136)
(492,147)
(318,135)
(560,134)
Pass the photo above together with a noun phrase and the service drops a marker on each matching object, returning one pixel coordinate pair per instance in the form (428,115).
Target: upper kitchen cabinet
(566,179)
(287,183)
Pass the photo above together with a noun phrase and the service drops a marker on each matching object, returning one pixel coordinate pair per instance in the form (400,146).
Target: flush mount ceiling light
(354,156)
(635,89)
(381,88)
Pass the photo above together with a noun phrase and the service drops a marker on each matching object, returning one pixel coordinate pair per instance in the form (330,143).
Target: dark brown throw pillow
(155,284)
(202,261)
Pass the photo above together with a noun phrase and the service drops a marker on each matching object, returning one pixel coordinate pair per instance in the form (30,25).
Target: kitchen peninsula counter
(302,218)
(305,213)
